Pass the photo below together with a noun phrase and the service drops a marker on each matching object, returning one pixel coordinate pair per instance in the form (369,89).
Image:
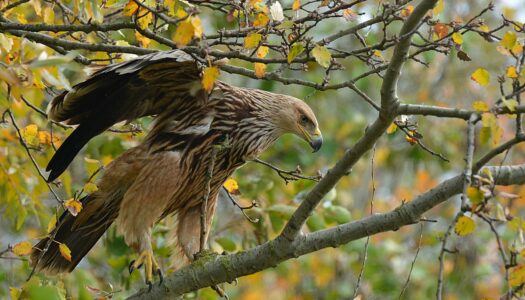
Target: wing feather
(147,85)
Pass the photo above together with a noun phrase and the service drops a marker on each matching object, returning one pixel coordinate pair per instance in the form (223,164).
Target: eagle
(197,140)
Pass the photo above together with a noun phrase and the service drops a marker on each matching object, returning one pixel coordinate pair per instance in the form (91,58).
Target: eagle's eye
(304,120)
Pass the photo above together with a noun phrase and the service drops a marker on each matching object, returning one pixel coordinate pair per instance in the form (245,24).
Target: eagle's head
(295,116)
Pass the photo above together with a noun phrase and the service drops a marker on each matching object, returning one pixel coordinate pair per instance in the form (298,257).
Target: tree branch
(226,268)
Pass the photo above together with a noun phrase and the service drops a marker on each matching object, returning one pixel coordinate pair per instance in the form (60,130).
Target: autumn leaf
(349,14)
(44,137)
(197,26)
(261,20)
(462,55)
(90,187)
(73,206)
(145,18)
(209,75)
(475,195)
(509,40)
(480,106)
(407,11)
(465,226)
(183,34)
(65,251)
(252,40)
(297,48)
(30,134)
(296,5)
(510,104)
(143,41)
(49,15)
(260,69)
(262,51)
(22,248)
(484,28)
(130,8)
(441,30)
(440,5)
(392,128)
(457,38)
(511,72)
(231,186)
(481,76)
(51,224)
(322,55)
(517,275)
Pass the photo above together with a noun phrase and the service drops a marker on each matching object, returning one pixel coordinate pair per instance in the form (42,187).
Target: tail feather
(69,149)
(79,239)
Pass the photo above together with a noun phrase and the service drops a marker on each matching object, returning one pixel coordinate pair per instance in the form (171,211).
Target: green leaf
(322,55)
(227,244)
(297,48)
(339,214)
(315,222)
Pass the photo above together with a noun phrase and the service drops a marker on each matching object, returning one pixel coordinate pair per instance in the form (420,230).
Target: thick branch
(226,268)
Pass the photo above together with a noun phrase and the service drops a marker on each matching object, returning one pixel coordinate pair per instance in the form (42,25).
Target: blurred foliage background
(399,170)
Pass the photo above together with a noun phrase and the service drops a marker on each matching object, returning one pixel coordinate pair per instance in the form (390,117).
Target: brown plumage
(167,173)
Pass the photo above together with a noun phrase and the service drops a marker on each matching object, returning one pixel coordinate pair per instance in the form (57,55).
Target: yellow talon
(147,259)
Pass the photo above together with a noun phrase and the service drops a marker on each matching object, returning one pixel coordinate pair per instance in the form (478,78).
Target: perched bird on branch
(197,141)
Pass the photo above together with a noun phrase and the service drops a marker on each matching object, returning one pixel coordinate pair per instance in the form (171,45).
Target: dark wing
(147,85)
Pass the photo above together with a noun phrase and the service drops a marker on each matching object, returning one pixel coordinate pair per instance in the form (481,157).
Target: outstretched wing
(147,85)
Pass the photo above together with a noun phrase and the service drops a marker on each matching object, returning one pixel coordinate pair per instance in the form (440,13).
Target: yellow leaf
(262,20)
(517,275)
(73,206)
(90,187)
(208,77)
(439,7)
(262,51)
(51,225)
(183,34)
(49,15)
(30,134)
(407,11)
(260,69)
(65,251)
(297,48)
(511,72)
(465,226)
(510,104)
(481,76)
(110,3)
(457,38)
(143,41)
(484,28)
(22,248)
(231,186)
(322,55)
(252,40)
(37,4)
(480,106)
(130,8)
(170,5)
(296,5)
(475,195)
(197,26)
(509,40)
(145,18)
(517,49)
(15,293)
(44,137)
(392,128)
(181,13)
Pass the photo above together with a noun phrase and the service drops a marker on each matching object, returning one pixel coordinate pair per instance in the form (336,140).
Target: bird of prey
(197,141)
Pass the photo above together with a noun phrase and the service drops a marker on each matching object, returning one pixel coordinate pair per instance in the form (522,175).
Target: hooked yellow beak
(315,140)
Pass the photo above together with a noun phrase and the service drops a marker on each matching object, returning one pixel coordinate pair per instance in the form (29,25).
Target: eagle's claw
(146,258)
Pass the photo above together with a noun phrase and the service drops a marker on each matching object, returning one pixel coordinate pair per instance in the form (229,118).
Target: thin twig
(405,286)
(288,176)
